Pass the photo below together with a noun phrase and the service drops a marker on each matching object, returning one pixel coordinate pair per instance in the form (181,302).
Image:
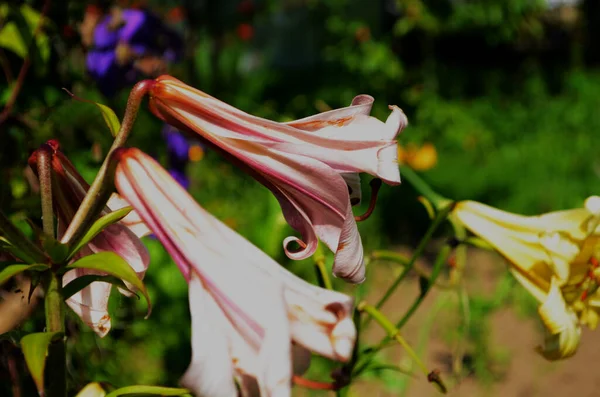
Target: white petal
(210,373)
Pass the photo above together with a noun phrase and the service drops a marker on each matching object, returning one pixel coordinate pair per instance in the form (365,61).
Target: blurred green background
(506,92)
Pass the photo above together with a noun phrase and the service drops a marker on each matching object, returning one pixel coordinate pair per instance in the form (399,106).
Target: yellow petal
(562,329)
(561,252)
(92,390)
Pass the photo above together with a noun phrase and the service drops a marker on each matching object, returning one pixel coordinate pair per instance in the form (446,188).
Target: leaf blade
(114,265)
(149,390)
(35,351)
(12,270)
(100,224)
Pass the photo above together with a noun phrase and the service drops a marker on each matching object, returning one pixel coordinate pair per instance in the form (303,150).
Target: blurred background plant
(501,97)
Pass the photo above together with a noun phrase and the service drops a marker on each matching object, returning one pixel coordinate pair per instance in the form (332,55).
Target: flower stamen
(375,186)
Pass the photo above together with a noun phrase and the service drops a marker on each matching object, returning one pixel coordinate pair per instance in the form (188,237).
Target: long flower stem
(394,333)
(437,268)
(55,322)
(322,272)
(100,191)
(423,188)
(44,159)
(441,216)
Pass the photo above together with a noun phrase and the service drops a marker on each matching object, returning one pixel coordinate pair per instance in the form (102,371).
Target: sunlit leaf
(35,350)
(114,265)
(12,270)
(148,390)
(98,226)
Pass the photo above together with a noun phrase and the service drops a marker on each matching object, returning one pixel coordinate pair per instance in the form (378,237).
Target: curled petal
(563,333)
(349,259)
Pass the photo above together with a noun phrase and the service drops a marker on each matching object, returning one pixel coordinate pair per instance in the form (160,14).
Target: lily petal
(210,373)
(317,319)
(563,332)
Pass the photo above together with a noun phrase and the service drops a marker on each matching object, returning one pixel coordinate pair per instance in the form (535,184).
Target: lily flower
(311,165)
(69,188)
(555,257)
(246,309)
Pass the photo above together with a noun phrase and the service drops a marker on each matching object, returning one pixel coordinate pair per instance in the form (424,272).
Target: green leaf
(98,226)
(35,350)
(147,390)
(111,263)
(83,281)
(109,116)
(12,270)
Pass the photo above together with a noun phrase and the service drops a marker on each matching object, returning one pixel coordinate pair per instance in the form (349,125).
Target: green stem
(322,272)
(100,191)
(441,216)
(391,256)
(440,261)
(21,246)
(394,333)
(44,160)
(56,370)
(423,188)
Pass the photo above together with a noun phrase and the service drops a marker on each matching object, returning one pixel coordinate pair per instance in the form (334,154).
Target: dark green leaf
(57,251)
(83,281)
(112,264)
(35,350)
(148,391)
(12,270)
(98,226)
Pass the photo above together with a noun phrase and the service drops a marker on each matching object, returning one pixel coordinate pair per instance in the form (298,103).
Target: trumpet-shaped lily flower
(311,165)
(69,188)
(555,257)
(246,309)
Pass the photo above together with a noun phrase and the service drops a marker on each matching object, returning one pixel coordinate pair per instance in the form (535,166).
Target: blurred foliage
(505,90)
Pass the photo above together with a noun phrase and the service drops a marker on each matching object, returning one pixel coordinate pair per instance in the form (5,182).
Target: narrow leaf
(35,350)
(98,226)
(109,116)
(12,270)
(83,281)
(147,390)
(111,263)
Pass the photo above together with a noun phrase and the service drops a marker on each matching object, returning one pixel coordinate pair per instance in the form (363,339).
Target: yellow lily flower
(555,257)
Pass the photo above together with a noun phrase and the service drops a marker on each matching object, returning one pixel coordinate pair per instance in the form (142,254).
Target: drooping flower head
(69,188)
(311,165)
(246,309)
(555,257)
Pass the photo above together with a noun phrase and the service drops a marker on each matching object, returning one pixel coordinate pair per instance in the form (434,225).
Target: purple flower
(129,45)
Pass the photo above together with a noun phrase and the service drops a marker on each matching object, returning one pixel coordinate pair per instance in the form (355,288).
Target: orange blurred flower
(419,158)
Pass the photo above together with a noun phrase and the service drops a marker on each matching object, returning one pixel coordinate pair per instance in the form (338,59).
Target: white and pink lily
(246,309)
(69,188)
(311,165)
